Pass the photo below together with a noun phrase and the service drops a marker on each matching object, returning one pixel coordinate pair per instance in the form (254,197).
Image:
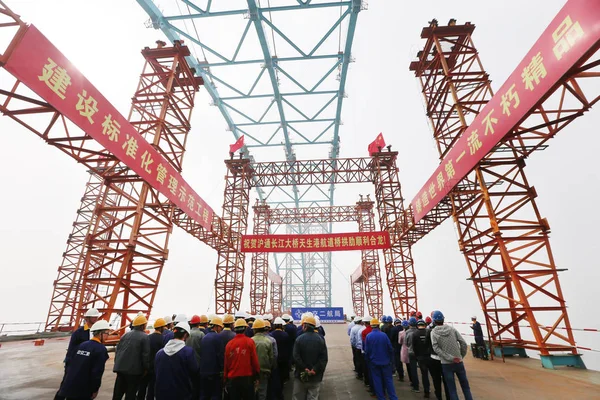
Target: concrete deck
(29,372)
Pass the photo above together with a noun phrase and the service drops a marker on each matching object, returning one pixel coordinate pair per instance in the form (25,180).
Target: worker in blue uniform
(175,366)
(82,334)
(86,366)
(380,355)
(212,356)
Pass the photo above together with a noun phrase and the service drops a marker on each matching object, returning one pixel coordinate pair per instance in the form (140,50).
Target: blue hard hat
(385,319)
(438,316)
(412,321)
(405,324)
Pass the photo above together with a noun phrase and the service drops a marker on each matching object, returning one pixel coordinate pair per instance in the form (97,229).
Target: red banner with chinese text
(315,243)
(570,35)
(46,71)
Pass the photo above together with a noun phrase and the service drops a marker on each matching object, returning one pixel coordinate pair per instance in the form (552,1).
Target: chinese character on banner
(424,199)
(534,72)
(440,180)
(182,193)
(261,243)
(359,241)
(337,242)
(329,313)
(565,36)
(111,128)
(474,142)
(267,243)
(173,185)
(489,122)
(450,170)
(56,78)
(205,215)
(351,241)
(253,243)
(146,161)
(419,206)
(330,242)
(161,173)
(130,146)
(191,201)
(295,243)
(198,210)
(87,107)
(344,241)
(247,243)
(511,97)
(432,192)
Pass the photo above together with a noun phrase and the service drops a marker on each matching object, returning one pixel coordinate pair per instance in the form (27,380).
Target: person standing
(132,360)
(380,354)
(250,321)
(366,367)
(283,356)
(146,389)
(212,354)
(290,329)
(241,368)
(412,359)
(176,367)
(83,375)
(266,357)
(350,325)
(80,335)
(310,357)
(421,352)
(404,349)
(168,332)
(356,347)
(394,333)
(435,365)
(451,348)
(478,333)
(227,333)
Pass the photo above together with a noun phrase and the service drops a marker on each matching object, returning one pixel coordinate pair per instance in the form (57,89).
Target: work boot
(426,395)
(415,390)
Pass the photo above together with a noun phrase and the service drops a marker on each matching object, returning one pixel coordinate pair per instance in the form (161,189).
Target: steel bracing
(502,234)
(370,260)
(275,89)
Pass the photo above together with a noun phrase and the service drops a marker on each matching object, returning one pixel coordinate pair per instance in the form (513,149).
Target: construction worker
(380,354)
(146,389)
(266,357)
(310,357)
(283,356)
(478,333)
(394,333)
(176,367)
(195,338)
(250,321)
(421,352)
(387,325)
(227,333)
(412,358)
(319,329)
(273,385)
(366,367)
(241,369)
(80,335)
(350,325)
(404,349)
(435,365)
(211,368)
(449,345)
(132,360)
(83,375)
(292,332)
(168,332)
(356,344)
(180,318)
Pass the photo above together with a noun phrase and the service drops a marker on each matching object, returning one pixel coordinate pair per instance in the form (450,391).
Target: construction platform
(35,372)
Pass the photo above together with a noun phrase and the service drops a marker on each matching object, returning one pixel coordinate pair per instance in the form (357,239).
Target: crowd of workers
(381,349)
(231,357)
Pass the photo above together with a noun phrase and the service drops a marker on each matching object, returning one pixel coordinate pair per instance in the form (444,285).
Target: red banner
(46,71)
(570,35)
(315,243)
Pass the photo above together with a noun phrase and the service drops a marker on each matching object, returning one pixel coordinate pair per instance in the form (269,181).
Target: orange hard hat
(159,323)
(258,324)
(203,319)
(310,321)
(228,319)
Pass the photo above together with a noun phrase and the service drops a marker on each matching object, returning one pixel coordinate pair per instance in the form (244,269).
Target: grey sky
(41,187)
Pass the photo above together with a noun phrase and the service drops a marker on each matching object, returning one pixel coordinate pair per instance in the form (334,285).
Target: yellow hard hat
(159,323)
(374,322)
(310,320)
(140,320)
(258,324)
(216,321)
(240,322)
(267,323)
(203,319)
(228,319)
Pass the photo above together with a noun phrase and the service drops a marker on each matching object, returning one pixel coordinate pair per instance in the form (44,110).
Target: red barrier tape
(548,327)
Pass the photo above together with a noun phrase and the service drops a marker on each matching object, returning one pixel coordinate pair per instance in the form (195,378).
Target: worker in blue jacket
(175,366)
(86,367)
(82,334)
(212,356)
(378,350)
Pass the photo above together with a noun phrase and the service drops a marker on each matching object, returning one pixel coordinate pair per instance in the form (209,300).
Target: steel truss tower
(370,260)
(502,234)
(259,274)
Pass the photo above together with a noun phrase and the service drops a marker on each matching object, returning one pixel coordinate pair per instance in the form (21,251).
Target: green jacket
(264,351)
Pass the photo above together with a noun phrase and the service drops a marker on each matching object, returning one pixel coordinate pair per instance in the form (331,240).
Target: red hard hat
(419,315)
(428,319)
(195,320)
(413,313)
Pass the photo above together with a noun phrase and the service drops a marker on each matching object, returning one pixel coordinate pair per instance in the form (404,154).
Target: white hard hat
(309,314)
(278,321)
(168,319)
(92,312)
(318,321)
(367,318)
(180,318)
(269,316)
(473,317)
(286,317)
(240,314)
(184,326)
(101,325)
(358,319)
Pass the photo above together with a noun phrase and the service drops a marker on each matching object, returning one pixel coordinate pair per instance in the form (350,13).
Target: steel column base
(510,351)
(555,360)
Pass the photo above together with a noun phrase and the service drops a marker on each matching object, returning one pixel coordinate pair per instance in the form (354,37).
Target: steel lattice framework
(502,234)
(276,90)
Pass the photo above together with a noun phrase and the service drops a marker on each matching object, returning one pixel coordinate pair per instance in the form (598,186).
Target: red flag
(237,145)
(376,144)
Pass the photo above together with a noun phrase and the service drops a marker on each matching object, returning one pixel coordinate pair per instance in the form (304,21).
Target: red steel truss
(260,262)
(502,234)
(357,284)
(276,293)
(370,260)
(229,282)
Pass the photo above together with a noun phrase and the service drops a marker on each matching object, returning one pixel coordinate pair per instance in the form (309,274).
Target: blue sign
(325,314)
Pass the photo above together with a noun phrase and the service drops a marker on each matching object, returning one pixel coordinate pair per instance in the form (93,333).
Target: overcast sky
(42,187)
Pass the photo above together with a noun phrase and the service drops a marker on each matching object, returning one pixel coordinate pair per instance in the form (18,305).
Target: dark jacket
(477,331)
(156,343)
(226,335)
(283,345)
(82,334)
(420,345)
(167,335)
(378,348)
(132,355)
(394,336)
(321,331)
(249,332)
(175,367)
(310,352)
(84,371)
(212,354)
(292,332)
